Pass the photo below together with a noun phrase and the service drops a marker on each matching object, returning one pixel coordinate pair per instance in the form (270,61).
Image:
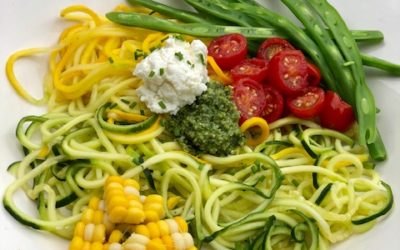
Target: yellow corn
(162,228)
(175,241)
(90,232)
(153,208)
(122,201)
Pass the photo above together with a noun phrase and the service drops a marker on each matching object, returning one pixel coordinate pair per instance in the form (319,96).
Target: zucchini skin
(382,212)
(125,129)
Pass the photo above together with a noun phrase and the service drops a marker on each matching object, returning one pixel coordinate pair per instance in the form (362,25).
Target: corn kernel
(154,198)
(98,217)
(117,201)
(117,214)
(131,183)
(156,244)
(192,248)
(113,179)
(178,240)
(76,243)
(143,230)
(153,229)
(115,246)
(183,226)
(188,239)
(134,246)
(135,203)
(87,215)
(173,226)
(115,236)
(94,203)
(109,193)
(134,216)
(79,229)
(168,243)
(99,233)
(151,216)
(138,238)
(86,246)
(164,228)
(96,246)
(89,231)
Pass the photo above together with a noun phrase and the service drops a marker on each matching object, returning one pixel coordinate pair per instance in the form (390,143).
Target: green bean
(211,7)
(333,56)
(378,63)
(364,100)
(182,15)
(367,35)
(194,29)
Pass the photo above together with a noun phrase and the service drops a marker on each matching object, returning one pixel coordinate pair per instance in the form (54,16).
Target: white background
(36,23)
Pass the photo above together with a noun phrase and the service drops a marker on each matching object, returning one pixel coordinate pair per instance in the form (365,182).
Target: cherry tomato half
(271,47)
(287,72)
(308,104)
(249,98)
(228,50)
(336,114)
(274,104)
(253,68)
(314,75)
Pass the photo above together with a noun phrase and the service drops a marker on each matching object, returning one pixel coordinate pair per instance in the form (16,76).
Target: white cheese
(173,76)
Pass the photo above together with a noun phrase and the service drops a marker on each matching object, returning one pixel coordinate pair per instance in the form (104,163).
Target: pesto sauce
(209,125)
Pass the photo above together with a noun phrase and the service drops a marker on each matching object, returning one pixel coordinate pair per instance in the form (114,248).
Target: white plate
(25,24)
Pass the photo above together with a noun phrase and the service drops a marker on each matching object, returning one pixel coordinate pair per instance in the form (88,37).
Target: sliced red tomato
(271,47)
(273,104)
(253,68)
(308,104)
(228,50)
(287,72)
(314,75)
(249,98)
(336,114)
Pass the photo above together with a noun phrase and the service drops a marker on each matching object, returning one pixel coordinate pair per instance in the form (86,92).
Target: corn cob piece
(122,200)
(90,231)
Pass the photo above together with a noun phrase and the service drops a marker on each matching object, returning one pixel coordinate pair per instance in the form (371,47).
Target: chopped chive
(139,53)
(132,105)
(161,71)
(179,55)
(162,104)
(125,101)
(154,48)
(113,105)
(179,37)
(165,38)
(202,59)
(111,60)
(190,63)
(142,112)
(152,73)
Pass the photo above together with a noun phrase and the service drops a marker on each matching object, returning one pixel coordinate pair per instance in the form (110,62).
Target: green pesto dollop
(209,125)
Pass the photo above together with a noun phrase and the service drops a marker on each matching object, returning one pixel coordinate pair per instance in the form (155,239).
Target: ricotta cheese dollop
(173,76)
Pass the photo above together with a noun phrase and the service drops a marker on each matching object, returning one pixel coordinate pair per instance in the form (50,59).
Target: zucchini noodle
(302,187)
